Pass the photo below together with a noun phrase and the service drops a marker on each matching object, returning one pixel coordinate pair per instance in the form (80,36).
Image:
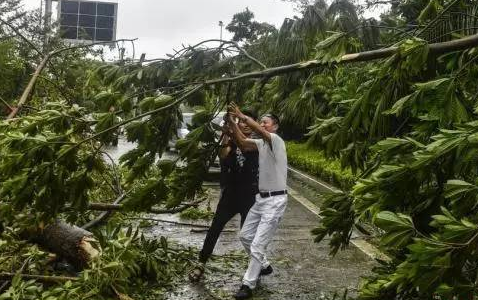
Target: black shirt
(240,170)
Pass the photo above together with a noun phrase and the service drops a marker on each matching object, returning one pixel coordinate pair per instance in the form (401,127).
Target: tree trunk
(69,242)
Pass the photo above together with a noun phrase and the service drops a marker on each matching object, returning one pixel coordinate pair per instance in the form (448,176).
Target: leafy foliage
(193,213)
(129,261)
(244,28)
(405,126)
(36,152)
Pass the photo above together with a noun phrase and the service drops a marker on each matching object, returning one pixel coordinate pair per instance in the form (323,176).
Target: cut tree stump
(72,243)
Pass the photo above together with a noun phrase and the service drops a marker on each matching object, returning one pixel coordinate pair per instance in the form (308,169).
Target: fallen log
(69,242)
(75,244)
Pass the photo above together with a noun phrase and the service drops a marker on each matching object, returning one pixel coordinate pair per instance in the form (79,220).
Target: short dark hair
(250,113)
(273,117)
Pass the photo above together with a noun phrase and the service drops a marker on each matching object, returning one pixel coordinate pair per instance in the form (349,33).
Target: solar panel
(69,7)
(87,20)
(105,9)
(88,8)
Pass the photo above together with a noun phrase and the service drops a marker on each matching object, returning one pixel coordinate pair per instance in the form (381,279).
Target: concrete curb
(316,183)
(367,248)
(357,240)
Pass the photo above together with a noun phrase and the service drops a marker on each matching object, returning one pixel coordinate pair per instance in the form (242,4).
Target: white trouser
(259,227)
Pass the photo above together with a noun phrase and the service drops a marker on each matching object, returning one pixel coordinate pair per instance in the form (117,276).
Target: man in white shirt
(263,218)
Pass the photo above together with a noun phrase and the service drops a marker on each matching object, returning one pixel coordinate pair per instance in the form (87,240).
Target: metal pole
(41,12)
(48,12)
(47,25)
(220,25)
(220,37)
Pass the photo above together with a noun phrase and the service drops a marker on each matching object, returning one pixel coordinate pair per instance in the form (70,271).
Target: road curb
(363,245)
(314,182)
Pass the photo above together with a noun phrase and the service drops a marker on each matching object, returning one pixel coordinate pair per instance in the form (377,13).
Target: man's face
(245,129)
(268,124)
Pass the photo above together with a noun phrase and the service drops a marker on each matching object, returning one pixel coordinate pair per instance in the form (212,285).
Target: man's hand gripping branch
(242,142)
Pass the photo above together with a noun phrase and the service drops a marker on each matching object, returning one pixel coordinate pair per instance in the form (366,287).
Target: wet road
(302,269)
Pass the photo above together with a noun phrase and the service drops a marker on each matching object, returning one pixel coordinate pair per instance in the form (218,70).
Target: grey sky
(161,25)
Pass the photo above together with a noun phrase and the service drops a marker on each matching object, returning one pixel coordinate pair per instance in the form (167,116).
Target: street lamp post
(47,18)
(221,24)
(48,12)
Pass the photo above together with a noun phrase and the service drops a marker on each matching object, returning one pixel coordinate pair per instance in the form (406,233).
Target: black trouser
(230,204)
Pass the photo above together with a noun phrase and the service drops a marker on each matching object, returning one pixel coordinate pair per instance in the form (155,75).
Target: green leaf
(112,265)
(164,243)
(166,166)
(400,105)
(432,85)
(456,188)
(399,228)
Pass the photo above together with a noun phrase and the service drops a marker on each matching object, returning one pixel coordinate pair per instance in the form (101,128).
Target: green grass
(315,163)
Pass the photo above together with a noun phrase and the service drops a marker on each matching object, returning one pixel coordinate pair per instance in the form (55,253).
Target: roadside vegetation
(316,163)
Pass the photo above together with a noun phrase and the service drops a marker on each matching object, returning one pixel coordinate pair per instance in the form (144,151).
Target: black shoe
(244,292)
(266,271)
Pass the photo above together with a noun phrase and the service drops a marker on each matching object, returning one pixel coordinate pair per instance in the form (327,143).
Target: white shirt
(272,164)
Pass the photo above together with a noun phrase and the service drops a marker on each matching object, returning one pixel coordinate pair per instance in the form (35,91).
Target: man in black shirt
(239,185)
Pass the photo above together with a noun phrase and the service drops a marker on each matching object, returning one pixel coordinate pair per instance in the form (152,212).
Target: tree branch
(437,48)
(169,222)
(47,279)
(119,207)
(223,42)
(140,116)
(103,216)
(243,51)
(6,104)
(21,36)
(29,88)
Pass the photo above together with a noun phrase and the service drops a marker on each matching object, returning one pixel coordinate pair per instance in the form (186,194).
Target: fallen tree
(67,146)
(76,245)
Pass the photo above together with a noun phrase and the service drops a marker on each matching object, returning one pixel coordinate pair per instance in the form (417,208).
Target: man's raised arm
(235,111)
(239,138)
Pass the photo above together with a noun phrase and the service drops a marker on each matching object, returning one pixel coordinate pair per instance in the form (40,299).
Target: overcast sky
(161,25)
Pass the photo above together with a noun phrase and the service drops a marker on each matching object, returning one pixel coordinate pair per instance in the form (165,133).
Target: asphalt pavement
(303,269)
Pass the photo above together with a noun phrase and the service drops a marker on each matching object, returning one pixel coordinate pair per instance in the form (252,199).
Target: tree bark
(70,242)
